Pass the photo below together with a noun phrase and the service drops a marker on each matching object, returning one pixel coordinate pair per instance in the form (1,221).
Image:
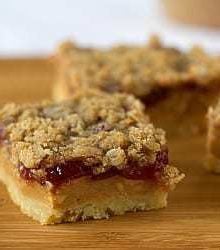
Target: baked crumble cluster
(136,70)
(97,129)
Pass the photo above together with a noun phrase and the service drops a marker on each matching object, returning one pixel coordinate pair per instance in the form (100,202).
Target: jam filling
(64,172)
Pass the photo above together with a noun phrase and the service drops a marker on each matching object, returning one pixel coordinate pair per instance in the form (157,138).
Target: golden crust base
(183,111)
(82,199)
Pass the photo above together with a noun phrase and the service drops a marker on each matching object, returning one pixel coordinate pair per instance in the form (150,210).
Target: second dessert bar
(176,87)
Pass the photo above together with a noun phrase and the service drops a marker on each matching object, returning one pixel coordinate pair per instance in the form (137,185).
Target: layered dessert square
(213,139)
(93,156)
(176,87)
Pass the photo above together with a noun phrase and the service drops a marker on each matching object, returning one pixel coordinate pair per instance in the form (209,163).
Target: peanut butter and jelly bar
(93,156)
(176,87)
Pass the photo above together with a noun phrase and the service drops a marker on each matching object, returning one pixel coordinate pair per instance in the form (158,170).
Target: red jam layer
(64,172)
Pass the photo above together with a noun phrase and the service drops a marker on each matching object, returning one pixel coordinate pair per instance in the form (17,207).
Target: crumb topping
(100,129)
(136,70)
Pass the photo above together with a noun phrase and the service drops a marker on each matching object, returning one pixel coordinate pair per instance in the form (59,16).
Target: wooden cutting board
(191,221)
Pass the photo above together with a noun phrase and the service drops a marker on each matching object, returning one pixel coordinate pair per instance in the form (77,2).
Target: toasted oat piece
(176,87)
(93,156)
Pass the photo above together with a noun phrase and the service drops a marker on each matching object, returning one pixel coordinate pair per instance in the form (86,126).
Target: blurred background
(31,30)
(34,28)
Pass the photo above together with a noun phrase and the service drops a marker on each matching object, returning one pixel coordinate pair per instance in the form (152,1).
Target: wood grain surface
(191,221)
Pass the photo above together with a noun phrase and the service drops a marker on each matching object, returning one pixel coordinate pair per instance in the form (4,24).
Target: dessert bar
(93,156)
(176,87)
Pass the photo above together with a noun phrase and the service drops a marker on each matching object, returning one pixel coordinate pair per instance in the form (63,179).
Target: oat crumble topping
(100,129)
(136,70)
